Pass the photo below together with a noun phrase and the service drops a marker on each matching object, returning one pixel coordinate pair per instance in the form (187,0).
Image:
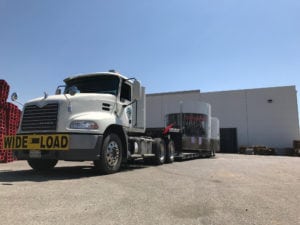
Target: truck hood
(78,103)
(69,108)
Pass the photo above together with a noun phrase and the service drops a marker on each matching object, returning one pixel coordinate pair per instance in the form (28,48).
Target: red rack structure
(9,121)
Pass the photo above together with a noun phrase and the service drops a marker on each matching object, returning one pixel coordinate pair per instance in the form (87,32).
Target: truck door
(125,98)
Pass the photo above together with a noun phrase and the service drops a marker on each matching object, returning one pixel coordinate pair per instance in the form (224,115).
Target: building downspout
(247,119)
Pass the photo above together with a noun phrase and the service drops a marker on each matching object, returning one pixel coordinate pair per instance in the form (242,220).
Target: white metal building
(263,116)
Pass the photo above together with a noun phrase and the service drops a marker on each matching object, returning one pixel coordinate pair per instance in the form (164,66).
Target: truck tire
(170,155)
(42,164)
(110,155)
(159,149)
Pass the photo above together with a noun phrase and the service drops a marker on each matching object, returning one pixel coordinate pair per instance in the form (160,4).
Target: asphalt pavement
(228,189)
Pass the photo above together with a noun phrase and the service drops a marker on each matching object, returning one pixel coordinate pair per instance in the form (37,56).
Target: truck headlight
(84,124)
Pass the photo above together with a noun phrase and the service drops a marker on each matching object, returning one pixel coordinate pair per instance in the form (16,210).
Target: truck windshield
(104,84)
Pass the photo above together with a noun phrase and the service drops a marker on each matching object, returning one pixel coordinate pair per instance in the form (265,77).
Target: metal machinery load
(215,135)
(189,126)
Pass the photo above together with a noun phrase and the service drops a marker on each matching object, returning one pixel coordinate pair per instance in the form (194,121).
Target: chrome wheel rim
(112,153)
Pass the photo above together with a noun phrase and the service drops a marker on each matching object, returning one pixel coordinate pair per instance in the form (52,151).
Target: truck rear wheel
(110,155)
(170,156)
(159,150)
(42,164)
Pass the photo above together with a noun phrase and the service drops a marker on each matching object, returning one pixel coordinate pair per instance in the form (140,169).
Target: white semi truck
(99,117)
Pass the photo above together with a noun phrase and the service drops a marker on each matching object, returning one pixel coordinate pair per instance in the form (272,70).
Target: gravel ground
(228,189)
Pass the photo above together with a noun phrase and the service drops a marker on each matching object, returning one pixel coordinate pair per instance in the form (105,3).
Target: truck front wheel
(110,155)
(42,164)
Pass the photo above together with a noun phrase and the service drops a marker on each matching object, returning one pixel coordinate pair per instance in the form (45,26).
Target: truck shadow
(8,177)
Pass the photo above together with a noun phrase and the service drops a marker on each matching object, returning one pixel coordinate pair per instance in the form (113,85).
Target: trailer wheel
(42,164)
(159,150)
(110,155)
(170,156)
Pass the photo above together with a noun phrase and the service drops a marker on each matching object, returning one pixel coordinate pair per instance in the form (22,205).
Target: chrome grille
(40,118)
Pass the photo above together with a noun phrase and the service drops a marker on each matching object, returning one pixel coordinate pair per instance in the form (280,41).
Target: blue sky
(211,45)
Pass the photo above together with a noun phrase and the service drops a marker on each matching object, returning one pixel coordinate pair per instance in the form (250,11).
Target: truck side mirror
(14,97)
(136,90)
(58,91)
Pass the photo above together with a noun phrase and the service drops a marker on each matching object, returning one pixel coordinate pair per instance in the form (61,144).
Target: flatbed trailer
(169,134)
